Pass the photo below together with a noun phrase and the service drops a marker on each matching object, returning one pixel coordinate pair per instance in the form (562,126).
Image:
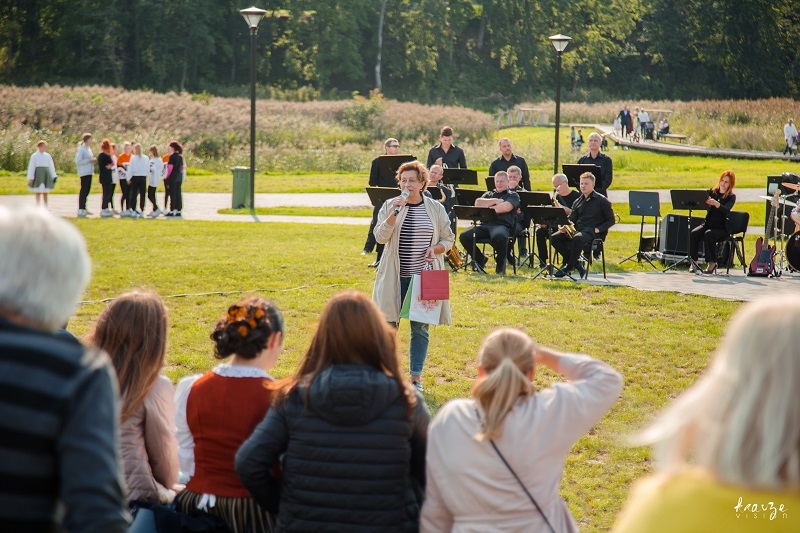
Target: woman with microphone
(416,231)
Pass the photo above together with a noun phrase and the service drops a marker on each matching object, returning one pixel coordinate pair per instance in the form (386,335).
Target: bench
(680,138)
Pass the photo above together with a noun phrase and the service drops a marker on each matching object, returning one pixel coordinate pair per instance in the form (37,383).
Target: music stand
(460,176)
(645,204)
(552,217)
(685,199)
(573,173)
(436,193)
(475,214)
(468,196)
(379,195)
(527,198)
(388,164)
(490,183)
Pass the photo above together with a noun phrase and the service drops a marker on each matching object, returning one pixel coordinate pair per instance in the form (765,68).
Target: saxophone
(567,229)
(454,257)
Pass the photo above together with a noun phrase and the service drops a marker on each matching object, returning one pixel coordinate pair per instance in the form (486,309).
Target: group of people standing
(137,174)
(346,443)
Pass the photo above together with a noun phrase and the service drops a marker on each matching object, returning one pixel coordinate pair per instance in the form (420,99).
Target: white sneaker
(114,211)
(125,214)
(136,214)
(88,212)
(154,214)
(82,213)
(106,213)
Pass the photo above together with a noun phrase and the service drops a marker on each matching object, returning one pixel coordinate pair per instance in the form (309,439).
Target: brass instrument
(567,229)
(454,257)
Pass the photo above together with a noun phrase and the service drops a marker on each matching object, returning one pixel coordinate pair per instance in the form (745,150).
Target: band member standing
(713,230)
(592,216)
(507,160)
(446,154)
(390,147)
(565,198)
(504,202)
(596,157)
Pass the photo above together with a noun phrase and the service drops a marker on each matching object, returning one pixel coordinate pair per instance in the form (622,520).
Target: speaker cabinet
(673,236)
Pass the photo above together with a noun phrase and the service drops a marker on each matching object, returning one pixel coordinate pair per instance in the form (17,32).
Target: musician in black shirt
(509,159)
(390,147)
(446,154)
(592,216)
(598,158)
(504,202)
(565,198)
(714,229)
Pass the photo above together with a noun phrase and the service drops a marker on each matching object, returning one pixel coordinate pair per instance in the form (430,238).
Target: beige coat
(470,490)
(386,292)
(149,447)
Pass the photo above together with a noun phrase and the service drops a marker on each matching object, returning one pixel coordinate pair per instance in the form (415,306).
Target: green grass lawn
(633,169)
(202,267)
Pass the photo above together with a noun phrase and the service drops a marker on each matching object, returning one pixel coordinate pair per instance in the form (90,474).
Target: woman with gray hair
(728,449)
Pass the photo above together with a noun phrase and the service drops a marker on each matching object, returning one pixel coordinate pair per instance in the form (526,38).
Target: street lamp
(253,15)
(560,43)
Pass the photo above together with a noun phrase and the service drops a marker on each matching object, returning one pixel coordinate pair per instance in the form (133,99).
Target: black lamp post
(560,43)
(253,16)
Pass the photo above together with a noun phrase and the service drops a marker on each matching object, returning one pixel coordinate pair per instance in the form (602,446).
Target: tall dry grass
(739,124)
(291,136)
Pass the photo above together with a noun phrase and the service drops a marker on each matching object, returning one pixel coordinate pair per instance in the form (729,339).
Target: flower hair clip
(245,315)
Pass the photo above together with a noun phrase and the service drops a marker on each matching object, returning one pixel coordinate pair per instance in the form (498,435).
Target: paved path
(204,206)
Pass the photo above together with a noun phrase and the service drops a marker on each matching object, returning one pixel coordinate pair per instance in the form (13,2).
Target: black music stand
(645,204)
(436,193)
(460,176)
(526,199)
(691,200)
(552,217)
(490,183)
(379,195)
(388,164)
(468,196)
(573,173)
(475,214)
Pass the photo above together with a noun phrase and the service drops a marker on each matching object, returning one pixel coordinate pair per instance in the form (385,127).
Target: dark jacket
(352,459)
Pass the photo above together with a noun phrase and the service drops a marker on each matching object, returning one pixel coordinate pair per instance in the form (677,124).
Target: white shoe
(114,211)
(106,213)
(82,213)
(136,214)
(125,214)
(154,214)
(88,212)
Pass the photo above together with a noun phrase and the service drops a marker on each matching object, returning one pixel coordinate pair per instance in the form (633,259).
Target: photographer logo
(758,510)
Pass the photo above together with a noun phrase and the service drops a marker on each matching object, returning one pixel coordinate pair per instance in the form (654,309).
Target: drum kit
(790,248)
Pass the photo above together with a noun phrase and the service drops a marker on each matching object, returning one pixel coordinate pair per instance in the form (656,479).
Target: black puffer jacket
(351,461)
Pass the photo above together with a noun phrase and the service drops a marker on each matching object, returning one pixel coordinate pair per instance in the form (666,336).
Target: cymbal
(790,185)
(781,200)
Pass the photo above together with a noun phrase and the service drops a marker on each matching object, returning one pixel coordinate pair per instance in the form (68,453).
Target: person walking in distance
(790,136)
(41,173)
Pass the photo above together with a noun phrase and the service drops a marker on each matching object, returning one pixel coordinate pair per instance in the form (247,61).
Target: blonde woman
(494,462)
(728,449)
(84,161)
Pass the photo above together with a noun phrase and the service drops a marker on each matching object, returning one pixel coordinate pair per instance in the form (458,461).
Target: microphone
(405,194)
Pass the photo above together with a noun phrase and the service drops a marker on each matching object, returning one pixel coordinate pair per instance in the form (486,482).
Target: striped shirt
(415,238)
(58,436)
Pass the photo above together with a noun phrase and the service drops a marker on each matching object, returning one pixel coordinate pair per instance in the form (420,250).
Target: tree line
(482,53)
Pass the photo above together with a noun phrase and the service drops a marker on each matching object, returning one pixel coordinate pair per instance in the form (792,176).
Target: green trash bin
(241,188)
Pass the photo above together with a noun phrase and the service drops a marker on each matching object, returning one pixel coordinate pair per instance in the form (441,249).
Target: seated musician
(515,183)
(504,202)
(563,196)
(592,216)
(448,199)
(714,229)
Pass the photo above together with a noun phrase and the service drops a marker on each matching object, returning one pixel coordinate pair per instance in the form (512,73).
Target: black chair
(596,244)
(737,227)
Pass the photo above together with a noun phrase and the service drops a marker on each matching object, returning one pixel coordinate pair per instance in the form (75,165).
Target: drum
(793,250)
